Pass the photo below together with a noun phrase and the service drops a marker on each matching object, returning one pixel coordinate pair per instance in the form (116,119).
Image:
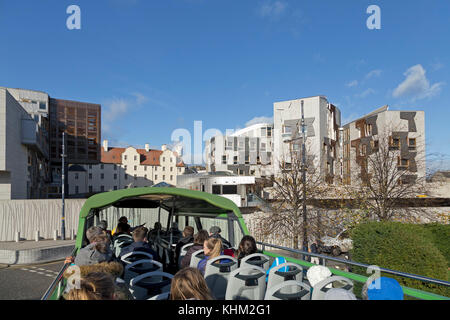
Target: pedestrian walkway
(29,252)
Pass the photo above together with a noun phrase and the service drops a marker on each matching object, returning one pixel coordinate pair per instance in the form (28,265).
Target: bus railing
(57,282)
(325,258)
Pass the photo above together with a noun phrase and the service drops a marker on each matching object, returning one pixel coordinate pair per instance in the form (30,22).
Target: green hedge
(440,235)
(403,247)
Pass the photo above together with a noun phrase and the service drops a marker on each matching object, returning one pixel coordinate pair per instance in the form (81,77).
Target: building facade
(322,122)
(403,131)
(246,152)
(24,151)
(122,168)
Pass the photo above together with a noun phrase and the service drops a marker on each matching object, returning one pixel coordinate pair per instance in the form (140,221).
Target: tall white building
(24,168)
(322,121)
(246,152)
(122,168)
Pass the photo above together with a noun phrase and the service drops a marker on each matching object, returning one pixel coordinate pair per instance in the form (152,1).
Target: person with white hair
(316,274)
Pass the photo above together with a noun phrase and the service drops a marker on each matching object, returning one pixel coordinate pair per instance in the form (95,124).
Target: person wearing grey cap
(214,232)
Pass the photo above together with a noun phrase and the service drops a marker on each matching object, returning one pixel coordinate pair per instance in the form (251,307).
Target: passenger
(94,286)
(316,274)
(104,225)
(199,240)
(154,232)
(176,233)
(121,220)
(189,284)
(122,238)
(314,249)
(215,233)
(90,234)
(140,244)
(383,288)
(113,268)
(188,237)
(212,248)
(97,251)
(247,246)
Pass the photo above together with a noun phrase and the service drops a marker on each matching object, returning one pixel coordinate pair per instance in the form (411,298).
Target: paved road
(27,282)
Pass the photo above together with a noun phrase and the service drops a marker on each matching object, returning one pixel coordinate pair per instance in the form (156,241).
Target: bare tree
(392,170)
(289,217)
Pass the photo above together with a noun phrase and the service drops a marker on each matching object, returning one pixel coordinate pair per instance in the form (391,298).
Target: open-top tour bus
(201,211)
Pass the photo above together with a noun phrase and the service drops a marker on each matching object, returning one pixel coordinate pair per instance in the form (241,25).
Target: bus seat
(150,284)
(321,288)
(257,260)
(162,296)
(133,256)
(183,252)
(217,273)
(284,272)
(139,267)
(196,257)
(289,290)
(246,283)
(121,242)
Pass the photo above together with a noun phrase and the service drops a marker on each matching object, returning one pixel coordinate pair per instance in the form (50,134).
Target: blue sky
(156,65)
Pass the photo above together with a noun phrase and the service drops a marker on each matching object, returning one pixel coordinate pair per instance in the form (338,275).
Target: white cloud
(365,93)
(259,120)
(373,73)
(416,85)
(272,9)
(353,83)
(118,107)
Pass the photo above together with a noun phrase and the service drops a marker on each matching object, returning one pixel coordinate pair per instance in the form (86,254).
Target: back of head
(201,237)
(123,228)
(215,230)
(123,219)
(92,232)
(215,245)
(101,242)
(157,226)
(188,231)
(94,286)
(247,246)
(189,283)
(316,274)
(140,233)
(103,224)
(113,268)
(383,288)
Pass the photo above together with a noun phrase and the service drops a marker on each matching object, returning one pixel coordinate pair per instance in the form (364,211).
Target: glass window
(229,189)
(102,176)
(216,189)
(43,106)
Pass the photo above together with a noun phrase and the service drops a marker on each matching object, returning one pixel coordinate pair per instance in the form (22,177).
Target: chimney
(164,147)
(147,147)
(105,145)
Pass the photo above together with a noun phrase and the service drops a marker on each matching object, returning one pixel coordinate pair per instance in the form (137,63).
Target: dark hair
(123,219)
(188,231)
(201,237)
(123,228)
(247,246)
(140,233)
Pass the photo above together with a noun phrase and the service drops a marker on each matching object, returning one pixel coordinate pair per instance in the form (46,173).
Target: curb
(33,256)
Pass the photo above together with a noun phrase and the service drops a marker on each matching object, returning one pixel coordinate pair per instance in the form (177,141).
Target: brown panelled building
(81,122)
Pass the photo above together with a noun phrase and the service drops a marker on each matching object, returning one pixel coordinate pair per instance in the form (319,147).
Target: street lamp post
(63,224)
(305,231)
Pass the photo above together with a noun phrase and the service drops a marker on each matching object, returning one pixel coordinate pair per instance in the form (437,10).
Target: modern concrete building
(226,184)
(122,168)
(246,152)
(24,167)
(322,121)
(404,131)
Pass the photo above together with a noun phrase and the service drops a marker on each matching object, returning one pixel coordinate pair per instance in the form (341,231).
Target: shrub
(402,247)
(440,235)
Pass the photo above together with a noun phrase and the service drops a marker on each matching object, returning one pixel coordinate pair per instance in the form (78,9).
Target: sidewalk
(30,252)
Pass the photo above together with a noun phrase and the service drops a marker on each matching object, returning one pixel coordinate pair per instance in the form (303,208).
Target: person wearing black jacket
(214,232)
(188,237)
(199,240)
(140,244)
